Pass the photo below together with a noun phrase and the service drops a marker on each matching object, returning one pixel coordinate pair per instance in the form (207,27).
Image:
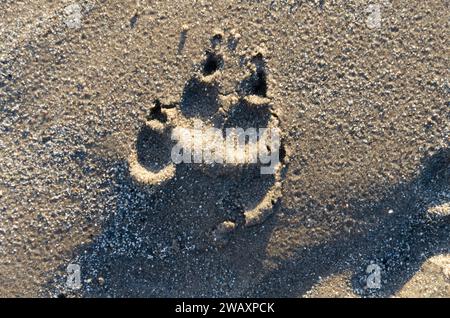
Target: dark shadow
(247,116)
(182,41)
(153,149)
(157,244)
(212,63)
(216,40)
(256,83)
(134,20)
(199,99)
(398,242)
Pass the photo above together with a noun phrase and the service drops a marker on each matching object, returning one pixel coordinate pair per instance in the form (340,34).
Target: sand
(362,103)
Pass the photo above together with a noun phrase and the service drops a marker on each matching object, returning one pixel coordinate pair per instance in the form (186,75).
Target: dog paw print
(231,137)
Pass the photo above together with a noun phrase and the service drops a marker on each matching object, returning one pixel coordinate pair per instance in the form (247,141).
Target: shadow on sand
(157,243)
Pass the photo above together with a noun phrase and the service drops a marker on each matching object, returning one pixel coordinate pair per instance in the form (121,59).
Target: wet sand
(363,109)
